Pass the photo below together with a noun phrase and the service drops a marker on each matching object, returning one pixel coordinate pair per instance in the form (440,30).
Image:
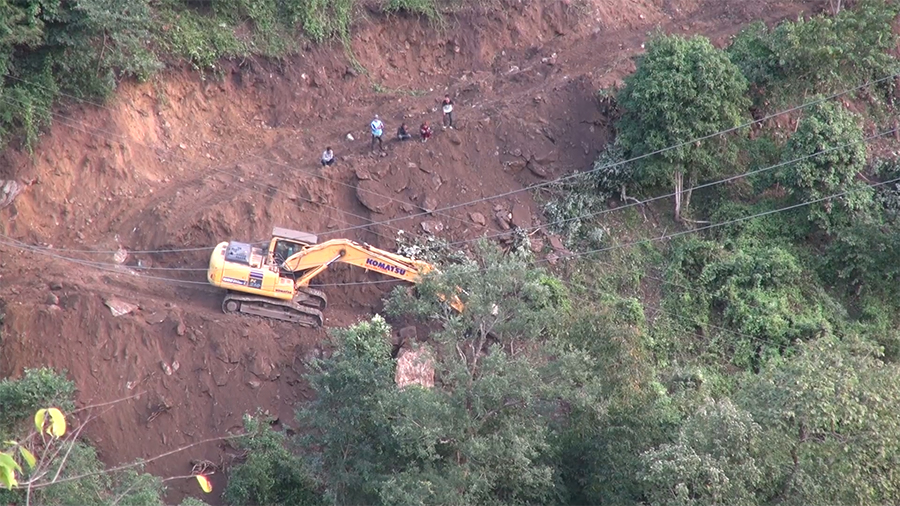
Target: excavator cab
(286,243)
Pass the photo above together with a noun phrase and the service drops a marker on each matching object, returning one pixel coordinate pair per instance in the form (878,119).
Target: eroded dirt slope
(188,162)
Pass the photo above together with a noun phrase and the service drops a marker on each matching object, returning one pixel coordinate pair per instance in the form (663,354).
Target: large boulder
(371,194)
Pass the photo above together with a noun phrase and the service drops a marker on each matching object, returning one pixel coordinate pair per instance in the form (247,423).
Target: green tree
(481,435)
(714,460)
(271,474)
(829,420)
(829,139)
(683,89)
(820,54)
(615,411)
(35,389)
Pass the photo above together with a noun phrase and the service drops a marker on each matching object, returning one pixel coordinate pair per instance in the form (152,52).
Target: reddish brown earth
(187,162)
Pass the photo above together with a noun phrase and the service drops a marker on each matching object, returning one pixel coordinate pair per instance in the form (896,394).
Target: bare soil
(189,161)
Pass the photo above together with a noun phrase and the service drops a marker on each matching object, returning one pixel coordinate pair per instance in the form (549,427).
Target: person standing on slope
(377,131)
(447,109)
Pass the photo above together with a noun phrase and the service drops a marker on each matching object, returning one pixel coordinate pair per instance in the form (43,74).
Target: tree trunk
(692,182)
(679,186)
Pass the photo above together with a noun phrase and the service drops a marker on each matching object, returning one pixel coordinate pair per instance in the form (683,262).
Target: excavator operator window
(284,250)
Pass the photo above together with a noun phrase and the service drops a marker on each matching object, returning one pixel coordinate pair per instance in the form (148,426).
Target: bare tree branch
(136,463)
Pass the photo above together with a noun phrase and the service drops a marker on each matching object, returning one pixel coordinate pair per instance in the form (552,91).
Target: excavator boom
(315,258)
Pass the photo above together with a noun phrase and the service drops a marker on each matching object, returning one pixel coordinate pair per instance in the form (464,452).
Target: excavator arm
(313,260)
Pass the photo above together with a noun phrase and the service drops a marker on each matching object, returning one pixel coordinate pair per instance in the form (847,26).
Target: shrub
(322,19)
(820,54)
(36,388)
(830,153)
(758,293)
(427,8)
(270,474)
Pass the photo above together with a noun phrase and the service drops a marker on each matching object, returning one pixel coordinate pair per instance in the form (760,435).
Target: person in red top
(447,109)
(425,132)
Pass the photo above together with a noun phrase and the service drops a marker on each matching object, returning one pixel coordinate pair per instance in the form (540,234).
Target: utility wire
(728,179)
(630,160)
(260,157)
(539,185)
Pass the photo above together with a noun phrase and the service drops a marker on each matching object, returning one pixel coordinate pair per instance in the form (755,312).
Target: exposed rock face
(414,367)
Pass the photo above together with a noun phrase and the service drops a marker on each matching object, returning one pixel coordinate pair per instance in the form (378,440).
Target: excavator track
(288,311)
(311,297)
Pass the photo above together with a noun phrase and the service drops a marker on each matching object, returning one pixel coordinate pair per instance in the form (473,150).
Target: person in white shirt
(327,157)
(447,109)
(377,130)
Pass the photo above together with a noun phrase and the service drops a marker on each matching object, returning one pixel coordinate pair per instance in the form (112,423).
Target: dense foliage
(96,487)
(271,474)
(753,362)
(683,89)
(821,54)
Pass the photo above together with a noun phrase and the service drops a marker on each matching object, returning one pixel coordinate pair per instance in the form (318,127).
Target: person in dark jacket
(403,133)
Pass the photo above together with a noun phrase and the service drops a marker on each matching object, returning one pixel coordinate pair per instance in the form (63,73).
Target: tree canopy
(683,89)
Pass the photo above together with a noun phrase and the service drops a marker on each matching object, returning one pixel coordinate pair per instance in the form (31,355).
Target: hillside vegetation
(735,342)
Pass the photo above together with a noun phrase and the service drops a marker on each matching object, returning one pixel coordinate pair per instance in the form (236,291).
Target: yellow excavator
(274,282)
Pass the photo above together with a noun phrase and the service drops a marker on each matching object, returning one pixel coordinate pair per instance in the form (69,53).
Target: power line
(711,226)
(173,250)
(275,162)
(529,188)
(110,135)
(106,267)
(630,160)
(728,179)
(706,227)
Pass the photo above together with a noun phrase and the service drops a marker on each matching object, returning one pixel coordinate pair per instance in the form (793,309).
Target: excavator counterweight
(274,282)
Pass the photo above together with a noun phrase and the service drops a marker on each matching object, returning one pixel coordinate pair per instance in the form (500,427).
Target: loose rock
(120,256)
(52,299)
(156,318)
(429,204)
(432,227)
(371,195)
(503,219)
(478,219)
(521,216)
(536,169)
(557,243)
(119,307)
(9,190)
(407,335)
